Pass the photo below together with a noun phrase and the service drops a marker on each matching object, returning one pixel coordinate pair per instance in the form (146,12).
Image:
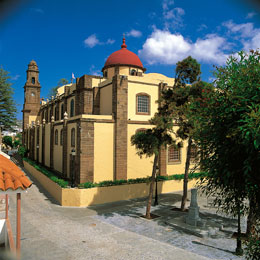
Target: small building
(94,119)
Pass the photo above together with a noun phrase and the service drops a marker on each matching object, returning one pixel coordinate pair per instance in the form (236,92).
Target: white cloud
(173,18)
(110,41)
(16,77)
(202,27)
(92,41)
(94,71)
(244,29)
(37,10)
(134,33)
(250,15)
(164,47)
(248,35)
(167,4)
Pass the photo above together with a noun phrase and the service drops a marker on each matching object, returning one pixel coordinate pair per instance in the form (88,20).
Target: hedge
(48,173)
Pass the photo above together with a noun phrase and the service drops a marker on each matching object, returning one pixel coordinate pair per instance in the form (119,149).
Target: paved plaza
(115,230)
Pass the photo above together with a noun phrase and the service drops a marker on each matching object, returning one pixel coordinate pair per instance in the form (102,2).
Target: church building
(87,127)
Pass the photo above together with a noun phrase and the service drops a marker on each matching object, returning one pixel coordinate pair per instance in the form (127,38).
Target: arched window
(133,72)
(62,111)
(142,104)
(61,137)
(33,80)
(174,154)
(46,116)
(56,113)
(56,137)
(72,108)
(72,137)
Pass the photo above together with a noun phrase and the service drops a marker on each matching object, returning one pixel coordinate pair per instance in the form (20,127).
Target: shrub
(47,173)
(22,151)
(7,140)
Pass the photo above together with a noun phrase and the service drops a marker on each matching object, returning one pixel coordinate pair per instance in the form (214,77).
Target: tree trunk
(150,196)
(252,217)
(186,174)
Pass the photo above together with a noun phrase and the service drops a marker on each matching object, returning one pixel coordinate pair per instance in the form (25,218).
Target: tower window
(105,74)
(62,111)
(142,104)
(33,80)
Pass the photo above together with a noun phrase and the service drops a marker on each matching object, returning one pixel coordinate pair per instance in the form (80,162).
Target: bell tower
(32,91)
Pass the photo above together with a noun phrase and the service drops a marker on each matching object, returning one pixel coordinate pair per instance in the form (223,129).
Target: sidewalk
(111,231)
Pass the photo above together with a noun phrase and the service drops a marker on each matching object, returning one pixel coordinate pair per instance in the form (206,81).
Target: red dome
(123,57)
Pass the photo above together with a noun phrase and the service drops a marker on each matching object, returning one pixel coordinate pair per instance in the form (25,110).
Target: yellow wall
(137,167)
(135,88)
(57,151)
(70,126)
(32,119)
(106,100)
(100,195)
(47,144)
(103,151)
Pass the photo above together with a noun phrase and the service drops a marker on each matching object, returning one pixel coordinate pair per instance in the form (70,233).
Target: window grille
(143,104)
(174,154)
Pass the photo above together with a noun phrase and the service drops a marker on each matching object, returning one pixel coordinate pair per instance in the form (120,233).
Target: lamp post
(37,153)
(73,154)
(156,190)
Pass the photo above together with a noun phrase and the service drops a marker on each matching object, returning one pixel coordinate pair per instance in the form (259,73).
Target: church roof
(123,57)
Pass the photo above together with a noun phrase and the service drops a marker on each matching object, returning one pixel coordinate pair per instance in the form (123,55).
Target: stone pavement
(111,231)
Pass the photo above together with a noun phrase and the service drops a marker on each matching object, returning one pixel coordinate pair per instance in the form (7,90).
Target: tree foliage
(53,91)
(148,143)
(8,140)
(176,104)
(7,104)
(227,131)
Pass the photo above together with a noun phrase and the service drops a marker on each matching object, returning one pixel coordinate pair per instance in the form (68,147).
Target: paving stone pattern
(111,231)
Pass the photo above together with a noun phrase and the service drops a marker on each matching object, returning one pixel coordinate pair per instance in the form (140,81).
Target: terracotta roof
(123,57)
(11,177)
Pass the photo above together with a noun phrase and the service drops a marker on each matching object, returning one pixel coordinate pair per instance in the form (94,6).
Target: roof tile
(11,177)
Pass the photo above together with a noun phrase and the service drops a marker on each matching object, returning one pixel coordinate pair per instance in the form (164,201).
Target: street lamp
(73,154)
(37,153)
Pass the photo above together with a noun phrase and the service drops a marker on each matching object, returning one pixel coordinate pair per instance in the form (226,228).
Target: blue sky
(77,36)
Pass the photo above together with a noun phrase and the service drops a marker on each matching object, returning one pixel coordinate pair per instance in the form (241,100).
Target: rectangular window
(174,154)
(143,104)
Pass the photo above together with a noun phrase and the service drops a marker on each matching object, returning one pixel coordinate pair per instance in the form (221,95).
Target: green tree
(7,104)
(176,105)
(227,131)
(148,143)
(53,91)
(7,140)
